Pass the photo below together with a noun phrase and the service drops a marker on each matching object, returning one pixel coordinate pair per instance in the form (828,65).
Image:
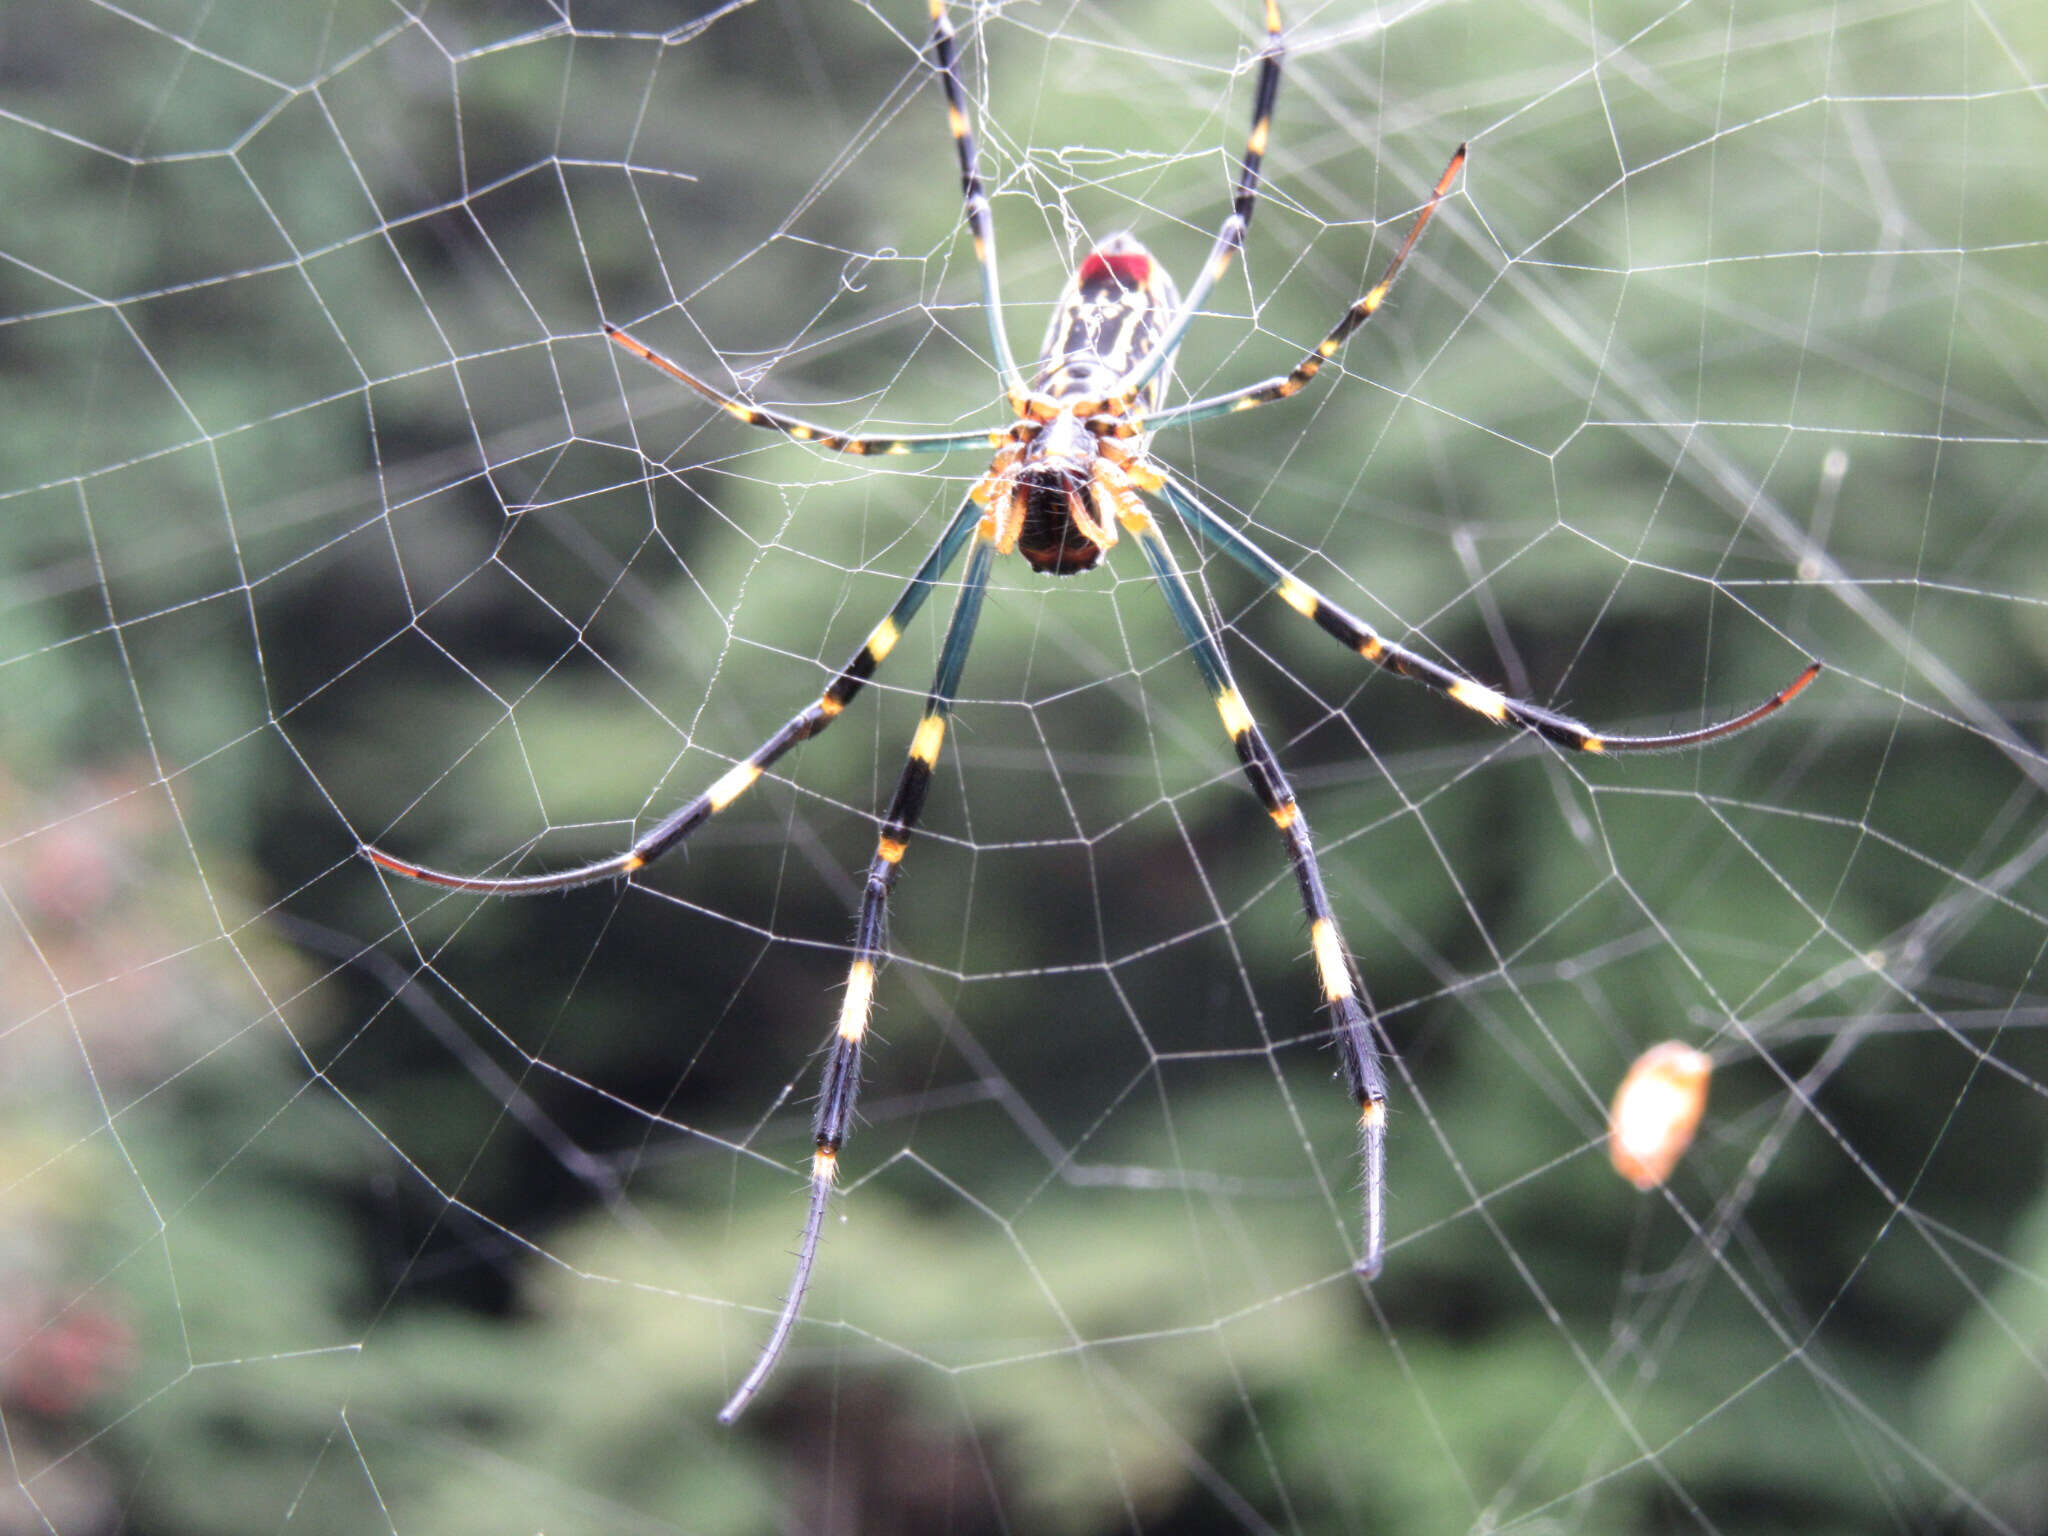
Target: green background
(328,1203)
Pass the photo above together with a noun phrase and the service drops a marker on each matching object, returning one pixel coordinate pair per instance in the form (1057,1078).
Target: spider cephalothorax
(1069,472)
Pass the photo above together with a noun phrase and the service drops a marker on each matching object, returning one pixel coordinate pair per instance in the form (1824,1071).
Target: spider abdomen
(1110,317)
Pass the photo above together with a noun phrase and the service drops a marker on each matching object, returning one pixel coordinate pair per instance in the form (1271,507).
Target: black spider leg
(974,199)
(980,224)
(1357,635)
(1361,311)
(736,781)
(840,1083)
(1230,238)
(1351,1017)
(860,444)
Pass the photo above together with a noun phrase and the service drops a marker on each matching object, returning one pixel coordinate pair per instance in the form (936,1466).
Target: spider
(1070,474)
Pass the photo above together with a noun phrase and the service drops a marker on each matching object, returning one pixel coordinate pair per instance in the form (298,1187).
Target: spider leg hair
(1363,309)
(1357,635)
(1351,1017)
(859,444)
(1230,238)
(806,723)
(839,1085)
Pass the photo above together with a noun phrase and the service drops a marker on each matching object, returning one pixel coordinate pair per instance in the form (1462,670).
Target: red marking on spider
(1130,269)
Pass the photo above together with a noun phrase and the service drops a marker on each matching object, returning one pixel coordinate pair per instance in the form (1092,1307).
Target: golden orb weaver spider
(1068,473)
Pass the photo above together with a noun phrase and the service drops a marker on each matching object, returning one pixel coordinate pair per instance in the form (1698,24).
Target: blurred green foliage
(331,516)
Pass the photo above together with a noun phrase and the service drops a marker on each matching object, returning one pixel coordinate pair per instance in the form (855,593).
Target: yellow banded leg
(1355,634)
(857,443)
(974,199)
(1351,1020)
(1362,310)
(1230,238)
(742,776)
(839,1084)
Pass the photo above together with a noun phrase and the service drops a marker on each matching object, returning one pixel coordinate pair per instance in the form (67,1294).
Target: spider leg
(840,1083)
(1282,385)
(805,431)
(946,60)
(1357,635)
(1350,1010)
(803,725)
(1230,238)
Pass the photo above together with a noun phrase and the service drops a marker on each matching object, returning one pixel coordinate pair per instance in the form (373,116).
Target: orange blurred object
(1656,1110)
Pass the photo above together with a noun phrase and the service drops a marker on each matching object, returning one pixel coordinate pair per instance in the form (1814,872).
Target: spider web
(331,517)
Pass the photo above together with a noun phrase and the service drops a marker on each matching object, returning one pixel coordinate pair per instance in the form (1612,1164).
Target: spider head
(1059,533)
